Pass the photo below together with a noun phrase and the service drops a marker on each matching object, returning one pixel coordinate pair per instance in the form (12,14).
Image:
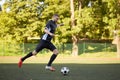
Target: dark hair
(55,15)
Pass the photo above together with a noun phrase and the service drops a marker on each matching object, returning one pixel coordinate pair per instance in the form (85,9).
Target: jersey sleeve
(47,25)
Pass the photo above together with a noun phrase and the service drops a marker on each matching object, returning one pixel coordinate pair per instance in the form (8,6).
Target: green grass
(61,59)
(95,62)
(80,68)
(77,72)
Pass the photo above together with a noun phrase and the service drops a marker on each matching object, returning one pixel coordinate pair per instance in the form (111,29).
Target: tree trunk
(75,46)
(79,7)
(116,41)
(118,46)
(74,38)
(118,35)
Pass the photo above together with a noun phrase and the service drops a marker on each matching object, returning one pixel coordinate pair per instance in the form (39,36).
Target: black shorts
(45,44)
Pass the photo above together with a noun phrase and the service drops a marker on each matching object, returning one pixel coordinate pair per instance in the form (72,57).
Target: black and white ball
(65,70)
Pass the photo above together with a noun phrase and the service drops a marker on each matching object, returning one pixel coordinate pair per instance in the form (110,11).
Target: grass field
(80,68)
(77,72)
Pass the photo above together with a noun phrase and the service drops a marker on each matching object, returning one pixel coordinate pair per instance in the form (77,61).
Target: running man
(45,42)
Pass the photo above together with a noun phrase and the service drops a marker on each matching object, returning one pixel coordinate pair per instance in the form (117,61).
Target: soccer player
(45,42)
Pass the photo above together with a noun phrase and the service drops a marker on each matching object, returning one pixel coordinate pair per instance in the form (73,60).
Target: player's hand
(51,34)
(61,24)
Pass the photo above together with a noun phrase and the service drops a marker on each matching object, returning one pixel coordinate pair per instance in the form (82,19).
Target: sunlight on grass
(90,48)
(86,58)
(100,54)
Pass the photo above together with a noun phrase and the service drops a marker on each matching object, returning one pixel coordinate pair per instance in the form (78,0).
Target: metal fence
(84,47)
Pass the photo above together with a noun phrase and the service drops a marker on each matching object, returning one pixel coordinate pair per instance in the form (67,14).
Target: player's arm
(47,29)
(58,25)
(48,32)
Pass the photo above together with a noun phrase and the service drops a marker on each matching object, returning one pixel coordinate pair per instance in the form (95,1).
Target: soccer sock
(51,59)
(27,56)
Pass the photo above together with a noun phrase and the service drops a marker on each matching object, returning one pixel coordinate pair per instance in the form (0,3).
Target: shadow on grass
(77,72)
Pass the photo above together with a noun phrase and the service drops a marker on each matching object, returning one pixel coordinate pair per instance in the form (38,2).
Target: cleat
(20,63)
(50,68)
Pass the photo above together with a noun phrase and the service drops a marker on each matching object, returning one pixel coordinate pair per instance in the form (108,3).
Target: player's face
(56,18)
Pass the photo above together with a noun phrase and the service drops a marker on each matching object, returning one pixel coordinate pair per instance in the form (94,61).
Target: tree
(26,16)
(74,38)
(6,24)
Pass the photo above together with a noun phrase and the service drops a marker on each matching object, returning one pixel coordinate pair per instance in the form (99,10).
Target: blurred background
(90,26)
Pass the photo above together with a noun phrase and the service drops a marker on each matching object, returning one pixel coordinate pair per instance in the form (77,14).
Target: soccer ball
(65,70)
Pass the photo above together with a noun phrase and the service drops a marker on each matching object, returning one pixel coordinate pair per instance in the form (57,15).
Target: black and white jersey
(51,27)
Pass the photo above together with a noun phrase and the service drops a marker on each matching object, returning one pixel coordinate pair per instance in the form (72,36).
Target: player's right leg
(25,57)
(39,47)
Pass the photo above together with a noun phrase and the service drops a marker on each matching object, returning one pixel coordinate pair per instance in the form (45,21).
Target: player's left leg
(53,56)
